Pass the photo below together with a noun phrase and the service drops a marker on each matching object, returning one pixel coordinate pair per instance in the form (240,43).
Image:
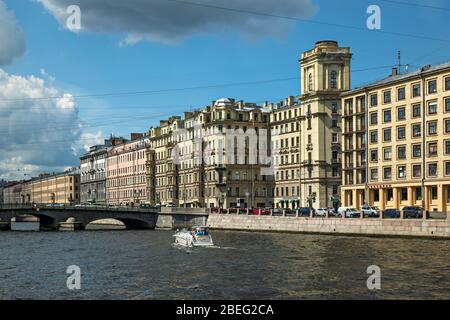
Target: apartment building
(93,175)
(189,164)
(306,132)
(17,192)
(162,172)
(397,141)
(126,172)
(61,188)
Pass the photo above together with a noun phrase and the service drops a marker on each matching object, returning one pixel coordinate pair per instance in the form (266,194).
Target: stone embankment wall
(368,226)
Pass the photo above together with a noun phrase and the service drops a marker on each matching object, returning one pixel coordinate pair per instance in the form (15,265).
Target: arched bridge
(51,216)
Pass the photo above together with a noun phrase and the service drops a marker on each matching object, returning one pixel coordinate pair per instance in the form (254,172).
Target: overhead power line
(411,4)
(169,90)
(270,15)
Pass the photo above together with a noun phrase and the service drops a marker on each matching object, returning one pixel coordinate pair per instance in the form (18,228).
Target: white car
(369,211)
(321,212)
(349,212)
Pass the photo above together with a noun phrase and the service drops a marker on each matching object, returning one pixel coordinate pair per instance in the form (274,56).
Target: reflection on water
(145,265)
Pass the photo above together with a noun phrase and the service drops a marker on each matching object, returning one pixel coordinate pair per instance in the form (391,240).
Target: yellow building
(63,188)
(396,141)
(306,132)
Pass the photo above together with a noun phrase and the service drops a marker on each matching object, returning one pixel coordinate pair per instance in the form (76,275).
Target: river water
(145,265)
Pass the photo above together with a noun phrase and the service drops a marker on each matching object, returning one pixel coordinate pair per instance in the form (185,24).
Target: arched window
(333,79)
(310,82)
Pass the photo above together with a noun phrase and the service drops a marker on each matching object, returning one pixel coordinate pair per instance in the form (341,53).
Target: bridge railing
(75,207)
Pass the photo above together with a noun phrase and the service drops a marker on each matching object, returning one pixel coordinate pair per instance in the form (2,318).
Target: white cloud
(89,139)
(12,42)
(36,135)
(169,21)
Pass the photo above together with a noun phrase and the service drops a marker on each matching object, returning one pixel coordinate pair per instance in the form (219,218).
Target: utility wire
(409,35)
(416,5)
(169,90)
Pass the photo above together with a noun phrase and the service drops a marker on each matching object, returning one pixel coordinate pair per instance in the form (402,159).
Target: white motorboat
(198,236)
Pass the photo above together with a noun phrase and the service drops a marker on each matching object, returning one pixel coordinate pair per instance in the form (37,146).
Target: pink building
(126,173)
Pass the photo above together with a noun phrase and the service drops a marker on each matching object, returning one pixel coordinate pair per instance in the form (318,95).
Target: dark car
(289,213)
(412,212)
(145,206)
(391,213)
(304,212)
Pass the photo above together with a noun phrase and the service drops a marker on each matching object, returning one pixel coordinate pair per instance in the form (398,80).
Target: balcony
(220,167)
(221,182)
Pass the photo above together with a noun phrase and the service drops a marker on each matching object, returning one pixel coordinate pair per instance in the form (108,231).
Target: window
(373,174)
(387,173)
(416,90)
(432,149)
(387,135)
(432,88)
(447,104)
(432,127)
(373,136)
(374,155)
(432,107)
(447,83)
(387,96)
(400,94)
(334,122)
(373,100)
(401,152)
(447,125)
(401,113)
(401,172)
(334,138)
(432,169)
(310,82)
(416,110)
(374,118)
(417,171)
(387,117)
(416,150)
(333,79)
(447,168)
(387,153)
(447,146)
(401,133)
(334,107)
(416,130)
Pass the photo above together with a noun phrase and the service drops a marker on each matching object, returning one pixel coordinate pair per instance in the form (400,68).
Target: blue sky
(93,62)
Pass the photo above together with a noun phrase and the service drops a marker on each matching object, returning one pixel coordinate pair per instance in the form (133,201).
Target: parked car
(55,205)
(369,211)
(289,213)
(277,212)
(332,212)
(321,212)
(304,211)
(412,212)
(349,212)
(391,213)
(145,206)
(259,211)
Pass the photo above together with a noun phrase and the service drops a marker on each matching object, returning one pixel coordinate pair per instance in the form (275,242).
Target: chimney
(290,100)
(394,72)
(136,136)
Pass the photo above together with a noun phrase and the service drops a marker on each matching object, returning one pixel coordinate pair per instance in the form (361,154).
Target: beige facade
(17,193)
(126,172)
(187,167)
(308,130)
(63,188)
(397,141)
(303,139)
